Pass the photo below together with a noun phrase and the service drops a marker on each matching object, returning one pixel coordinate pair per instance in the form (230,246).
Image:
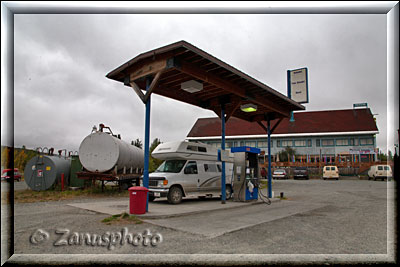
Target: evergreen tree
(153,162)
(287,154)
(137,143)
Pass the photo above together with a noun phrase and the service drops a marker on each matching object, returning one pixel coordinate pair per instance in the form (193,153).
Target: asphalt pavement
(319,221)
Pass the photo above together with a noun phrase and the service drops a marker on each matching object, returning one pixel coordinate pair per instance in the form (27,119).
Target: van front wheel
(175,195)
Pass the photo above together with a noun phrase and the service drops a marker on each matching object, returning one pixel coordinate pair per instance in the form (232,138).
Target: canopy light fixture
(192,86)
(248,107)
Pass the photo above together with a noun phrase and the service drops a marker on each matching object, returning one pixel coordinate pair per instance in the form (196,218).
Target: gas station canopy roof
(214,81)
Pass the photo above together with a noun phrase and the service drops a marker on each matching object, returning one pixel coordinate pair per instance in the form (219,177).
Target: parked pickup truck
(300,173)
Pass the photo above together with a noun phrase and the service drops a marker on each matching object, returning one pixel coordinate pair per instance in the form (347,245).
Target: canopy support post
(223,178)
(146,144)
(269,159)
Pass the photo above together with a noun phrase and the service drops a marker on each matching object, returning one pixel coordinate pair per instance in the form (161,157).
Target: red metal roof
(349,120)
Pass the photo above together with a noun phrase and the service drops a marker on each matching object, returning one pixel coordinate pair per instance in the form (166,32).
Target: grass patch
(29,196)
(122,218)
(264,183)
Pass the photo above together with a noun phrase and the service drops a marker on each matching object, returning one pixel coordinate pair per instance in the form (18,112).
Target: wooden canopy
(169,66)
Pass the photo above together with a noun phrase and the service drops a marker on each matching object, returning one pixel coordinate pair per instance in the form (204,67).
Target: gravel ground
(352,219)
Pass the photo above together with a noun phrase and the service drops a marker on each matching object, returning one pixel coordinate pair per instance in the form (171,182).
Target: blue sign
(246,149)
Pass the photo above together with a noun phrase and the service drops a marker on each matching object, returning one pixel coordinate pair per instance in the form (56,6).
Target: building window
(354,141)
(327,142)
(342,142)
(216,144)
(301,143)
(366,141)
(278,143)
(309,143)
(285,143)
(263,144)
(250,143)
(318,142)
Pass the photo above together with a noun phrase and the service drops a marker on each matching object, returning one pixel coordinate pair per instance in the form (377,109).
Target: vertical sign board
(298,85)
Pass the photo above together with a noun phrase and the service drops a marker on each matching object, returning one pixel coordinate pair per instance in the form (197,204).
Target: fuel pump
(245,173)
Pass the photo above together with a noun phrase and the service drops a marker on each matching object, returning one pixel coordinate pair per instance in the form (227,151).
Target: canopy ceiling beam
(145,97)
(234,106)
(276,124)
(273,128)
(198,73)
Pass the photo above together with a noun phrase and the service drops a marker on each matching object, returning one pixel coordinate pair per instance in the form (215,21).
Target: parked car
(7,173)
(280,174)
(300,173)
(380,172)
(330,172)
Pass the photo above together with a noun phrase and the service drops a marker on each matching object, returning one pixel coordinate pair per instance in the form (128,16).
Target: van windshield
(174,166)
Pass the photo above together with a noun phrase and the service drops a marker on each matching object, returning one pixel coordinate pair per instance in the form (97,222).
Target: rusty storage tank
(102,152)
(43,171)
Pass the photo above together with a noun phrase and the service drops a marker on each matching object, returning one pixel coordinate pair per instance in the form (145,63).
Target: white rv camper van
(189,169)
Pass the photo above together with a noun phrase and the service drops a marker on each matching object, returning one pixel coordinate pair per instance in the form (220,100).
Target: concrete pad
(214,224)
(106,207)
(161,209)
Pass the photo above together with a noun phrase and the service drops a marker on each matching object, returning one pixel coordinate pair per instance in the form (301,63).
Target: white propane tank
(101,152)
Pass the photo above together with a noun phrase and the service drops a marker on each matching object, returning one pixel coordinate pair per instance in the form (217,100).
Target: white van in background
(189,169)
(330,172)
(380,172)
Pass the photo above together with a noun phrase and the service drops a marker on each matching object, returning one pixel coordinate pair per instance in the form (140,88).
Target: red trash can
(137,199)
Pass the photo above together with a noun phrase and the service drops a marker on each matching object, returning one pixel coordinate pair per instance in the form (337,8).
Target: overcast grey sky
(60,63)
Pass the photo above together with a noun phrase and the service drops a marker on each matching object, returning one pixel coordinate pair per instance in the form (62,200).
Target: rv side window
(192,148)
(191,168)
(210,168)
(219,168)
(202,149)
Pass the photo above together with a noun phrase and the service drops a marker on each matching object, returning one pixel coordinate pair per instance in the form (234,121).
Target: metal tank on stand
(43,171)
(105,157)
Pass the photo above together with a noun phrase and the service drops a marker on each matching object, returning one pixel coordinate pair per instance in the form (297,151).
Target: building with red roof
(315,135)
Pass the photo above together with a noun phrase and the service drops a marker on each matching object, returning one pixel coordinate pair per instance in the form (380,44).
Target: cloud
(61,61)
